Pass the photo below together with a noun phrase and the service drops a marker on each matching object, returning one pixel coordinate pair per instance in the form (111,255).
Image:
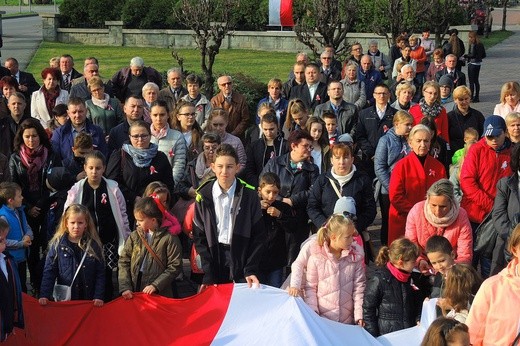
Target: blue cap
(494,126)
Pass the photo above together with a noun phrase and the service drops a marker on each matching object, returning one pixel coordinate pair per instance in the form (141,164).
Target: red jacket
(409,182)
(483,167)
(441,121)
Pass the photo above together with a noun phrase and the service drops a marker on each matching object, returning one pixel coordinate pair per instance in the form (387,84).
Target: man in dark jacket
(130,80)
(346,113)
(312,92)
(373,123)
(68,72)
(133,110)
(9,125)
(228,229)
(297,174)
(26,82)
(62,139)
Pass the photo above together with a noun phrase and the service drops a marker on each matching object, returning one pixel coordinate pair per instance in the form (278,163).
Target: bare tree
(332,19)
(504,16)
(211,21)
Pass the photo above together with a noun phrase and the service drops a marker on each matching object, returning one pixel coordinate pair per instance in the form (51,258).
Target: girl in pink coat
(335,280)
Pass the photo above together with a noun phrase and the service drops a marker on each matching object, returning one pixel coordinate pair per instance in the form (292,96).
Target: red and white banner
(280,13)
(222,315)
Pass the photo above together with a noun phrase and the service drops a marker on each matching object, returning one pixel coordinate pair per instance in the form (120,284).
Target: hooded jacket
(334,288)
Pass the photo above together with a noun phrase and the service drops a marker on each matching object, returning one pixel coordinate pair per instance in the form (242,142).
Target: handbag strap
(80,264)
(154,255)
(335,188)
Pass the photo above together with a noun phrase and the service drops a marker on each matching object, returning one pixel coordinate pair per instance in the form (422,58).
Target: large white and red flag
(280,13)
(229,314)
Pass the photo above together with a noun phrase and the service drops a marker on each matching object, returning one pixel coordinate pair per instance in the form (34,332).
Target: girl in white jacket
(107,206)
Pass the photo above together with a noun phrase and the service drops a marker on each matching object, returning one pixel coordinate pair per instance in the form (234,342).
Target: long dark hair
(31,123)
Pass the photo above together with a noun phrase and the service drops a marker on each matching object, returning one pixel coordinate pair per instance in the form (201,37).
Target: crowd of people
(106,185)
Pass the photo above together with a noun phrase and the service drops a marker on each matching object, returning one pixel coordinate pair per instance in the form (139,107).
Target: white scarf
(343,179)
(101,103)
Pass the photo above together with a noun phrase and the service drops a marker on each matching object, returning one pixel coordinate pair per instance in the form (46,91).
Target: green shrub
(74,13)
(99,12)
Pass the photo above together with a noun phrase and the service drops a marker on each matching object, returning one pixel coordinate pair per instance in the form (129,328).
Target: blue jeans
(274,278)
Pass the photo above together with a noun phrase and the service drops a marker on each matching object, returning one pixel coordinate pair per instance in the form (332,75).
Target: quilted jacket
(334,288)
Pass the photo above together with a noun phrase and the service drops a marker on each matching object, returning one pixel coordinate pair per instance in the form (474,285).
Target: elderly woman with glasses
(430,106)
(343,179)
(137,164)
(440,214)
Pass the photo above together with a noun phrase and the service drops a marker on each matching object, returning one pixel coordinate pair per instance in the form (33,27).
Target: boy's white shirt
(223,205)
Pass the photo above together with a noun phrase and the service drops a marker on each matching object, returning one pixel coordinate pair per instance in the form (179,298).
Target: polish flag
(280,13)
(231,314)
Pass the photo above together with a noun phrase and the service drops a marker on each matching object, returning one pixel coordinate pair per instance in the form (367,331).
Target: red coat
(483,167)
(409,182)
(441,121)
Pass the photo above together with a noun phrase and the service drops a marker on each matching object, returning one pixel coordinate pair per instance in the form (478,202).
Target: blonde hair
(512,117)
(95,81)
(400,249)
(461,91)
(404,86)
(507,89)
(295,106)
(336,224)
(402,116)
(90,234)
(435,85)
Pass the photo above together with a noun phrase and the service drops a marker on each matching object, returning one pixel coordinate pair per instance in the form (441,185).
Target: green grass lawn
(495,37)
(260,65)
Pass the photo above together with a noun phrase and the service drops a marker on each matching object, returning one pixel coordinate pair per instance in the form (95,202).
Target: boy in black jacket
(228,228)
(278,216)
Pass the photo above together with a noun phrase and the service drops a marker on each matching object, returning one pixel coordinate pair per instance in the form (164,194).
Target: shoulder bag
(63,293)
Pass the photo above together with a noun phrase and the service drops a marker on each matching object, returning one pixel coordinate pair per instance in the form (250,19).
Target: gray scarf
(141,157)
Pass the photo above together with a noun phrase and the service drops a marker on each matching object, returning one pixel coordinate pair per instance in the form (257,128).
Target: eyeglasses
(189,115)
(226,83)
(380,94)
(210,148)
(142,136)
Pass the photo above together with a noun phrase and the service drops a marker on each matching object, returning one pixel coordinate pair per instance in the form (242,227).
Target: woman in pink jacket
(335,281)
(494,317)
(441,215)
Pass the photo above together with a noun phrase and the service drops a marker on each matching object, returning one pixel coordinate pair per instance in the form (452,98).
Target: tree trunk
(504,15)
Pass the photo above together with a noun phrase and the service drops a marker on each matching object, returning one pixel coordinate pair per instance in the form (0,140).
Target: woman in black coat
(506,212)
(137,164)
(343,179)
(476,53)
(28,166)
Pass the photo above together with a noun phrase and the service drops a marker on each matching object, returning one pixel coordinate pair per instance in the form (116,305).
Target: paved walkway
(501,65)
